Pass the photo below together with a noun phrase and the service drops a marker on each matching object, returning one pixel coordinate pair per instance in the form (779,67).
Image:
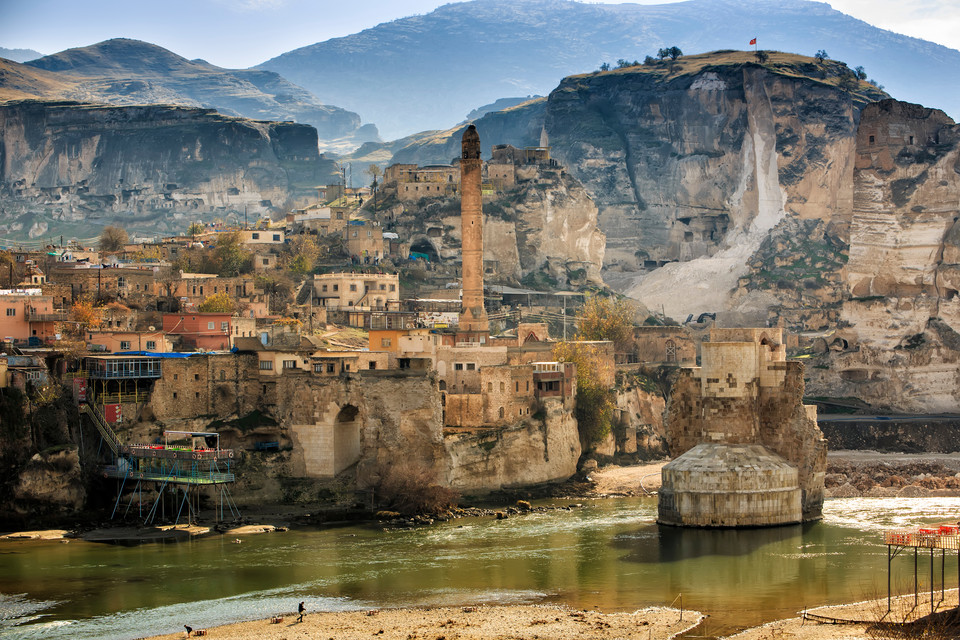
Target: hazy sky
(242,33)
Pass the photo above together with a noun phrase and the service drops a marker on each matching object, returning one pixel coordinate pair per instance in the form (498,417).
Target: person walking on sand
(301,610)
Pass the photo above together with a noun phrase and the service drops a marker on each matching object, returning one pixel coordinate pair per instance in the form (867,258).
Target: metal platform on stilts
(942,537)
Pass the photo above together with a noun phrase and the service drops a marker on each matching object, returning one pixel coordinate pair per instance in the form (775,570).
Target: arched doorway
(671,351)
(346,438)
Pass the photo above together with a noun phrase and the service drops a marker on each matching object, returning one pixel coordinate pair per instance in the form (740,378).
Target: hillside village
(326,345)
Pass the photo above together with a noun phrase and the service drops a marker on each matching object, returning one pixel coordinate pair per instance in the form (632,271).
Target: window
(346,366)
(489,387)
(176,376)
(121,282)
(124,345)
(501,388)
(458,366)
(225,326)
(11,313)
(318,367)
(223,374)
(528,385)
(196,376)
(384,342)
(330,367)
(266,261)
(353,287)
(323,288)
(266,365)
(210,325)
(336,287)
(196,394)
(276,237)
(255,236)
(871,139)
(393,287)
(471,366)
(174,395)
(289,364)
(373,364)
(517,383)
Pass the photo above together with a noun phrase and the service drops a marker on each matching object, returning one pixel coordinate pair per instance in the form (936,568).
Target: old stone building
(747,451)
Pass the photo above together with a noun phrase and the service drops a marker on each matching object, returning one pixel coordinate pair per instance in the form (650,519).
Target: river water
(609,554)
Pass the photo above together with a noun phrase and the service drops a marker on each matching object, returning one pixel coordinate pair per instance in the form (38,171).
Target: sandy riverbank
(513,622)
(860,619)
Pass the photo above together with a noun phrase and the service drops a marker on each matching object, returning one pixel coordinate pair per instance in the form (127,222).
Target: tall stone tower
(473,317)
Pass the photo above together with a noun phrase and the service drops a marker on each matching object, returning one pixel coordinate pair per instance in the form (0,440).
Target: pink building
(120,340)
(26,313)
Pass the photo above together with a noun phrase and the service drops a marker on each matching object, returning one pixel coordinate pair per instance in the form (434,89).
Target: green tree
(821,55)
(217,303)
(375,172)
(762,56)
(595,399)
(195,229)
(113,238)
(861,73)
(674,52)
(230,257)
(605,66)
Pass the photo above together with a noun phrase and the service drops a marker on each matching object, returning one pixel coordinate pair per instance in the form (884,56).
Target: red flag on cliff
(754,41)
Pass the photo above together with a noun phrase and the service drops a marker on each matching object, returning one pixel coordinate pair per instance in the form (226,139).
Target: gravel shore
(513,622)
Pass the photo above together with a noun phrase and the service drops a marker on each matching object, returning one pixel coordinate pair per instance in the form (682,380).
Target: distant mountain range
(19,55)
(426,72)
(129,72)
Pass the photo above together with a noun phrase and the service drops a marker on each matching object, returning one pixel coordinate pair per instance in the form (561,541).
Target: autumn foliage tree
(84,315)
(217,303)
(607,318)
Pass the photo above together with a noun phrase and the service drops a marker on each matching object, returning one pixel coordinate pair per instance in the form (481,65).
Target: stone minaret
(473,317)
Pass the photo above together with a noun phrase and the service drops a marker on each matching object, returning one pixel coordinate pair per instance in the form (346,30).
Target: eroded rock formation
(147,167)
(899,347)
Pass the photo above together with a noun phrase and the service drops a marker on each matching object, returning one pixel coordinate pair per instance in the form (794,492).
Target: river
(609,554)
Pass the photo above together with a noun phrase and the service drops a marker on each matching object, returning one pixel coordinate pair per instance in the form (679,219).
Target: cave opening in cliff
(425,247)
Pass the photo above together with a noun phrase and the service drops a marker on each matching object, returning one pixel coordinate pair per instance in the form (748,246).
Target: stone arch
(346,438)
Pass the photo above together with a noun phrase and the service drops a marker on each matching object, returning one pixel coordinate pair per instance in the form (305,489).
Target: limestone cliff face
(692,170)
(546,224)
(153,166)
(900,347)
(693,164)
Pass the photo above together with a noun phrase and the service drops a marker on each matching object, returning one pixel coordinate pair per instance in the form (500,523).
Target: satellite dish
(151,328)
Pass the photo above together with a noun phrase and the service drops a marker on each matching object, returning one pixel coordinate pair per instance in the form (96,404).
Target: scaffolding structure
(942,537)
(184,464)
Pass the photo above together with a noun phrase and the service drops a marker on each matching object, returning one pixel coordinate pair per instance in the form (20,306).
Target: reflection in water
(609,554)
(674,544)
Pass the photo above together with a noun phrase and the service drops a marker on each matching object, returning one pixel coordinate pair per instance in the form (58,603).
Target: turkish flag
(754,41)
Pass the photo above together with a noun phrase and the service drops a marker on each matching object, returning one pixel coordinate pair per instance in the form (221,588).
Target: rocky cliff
(541,231)
(694,163)
(899,345)
(151,168)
